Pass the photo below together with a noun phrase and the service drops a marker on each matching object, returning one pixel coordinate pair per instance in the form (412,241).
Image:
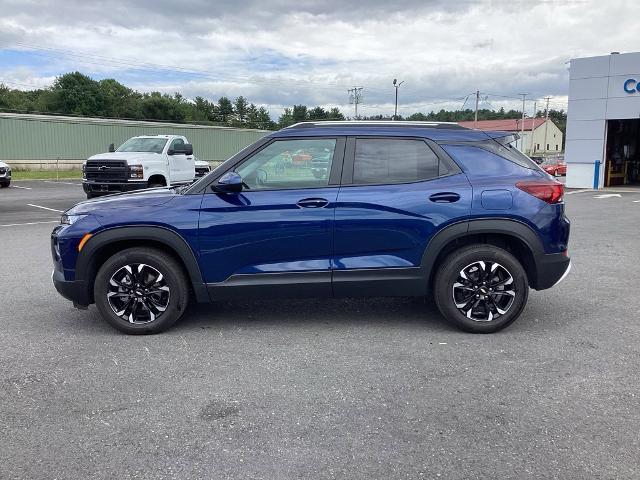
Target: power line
(93,59)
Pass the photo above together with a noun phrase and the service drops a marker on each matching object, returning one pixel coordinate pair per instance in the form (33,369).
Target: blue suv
(330,209)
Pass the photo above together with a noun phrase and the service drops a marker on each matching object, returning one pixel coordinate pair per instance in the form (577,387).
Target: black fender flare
(501,226)
(154,233)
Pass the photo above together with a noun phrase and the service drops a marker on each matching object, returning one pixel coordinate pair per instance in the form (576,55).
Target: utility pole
(397,86)
(475,121)
(355,97)
(546,125)
(524,96)
(533,125)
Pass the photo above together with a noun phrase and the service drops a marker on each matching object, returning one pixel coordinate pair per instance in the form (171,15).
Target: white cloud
(284,52)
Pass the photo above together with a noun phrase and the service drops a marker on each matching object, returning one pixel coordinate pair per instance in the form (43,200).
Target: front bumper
(551,269)
(74,290)
(111,187)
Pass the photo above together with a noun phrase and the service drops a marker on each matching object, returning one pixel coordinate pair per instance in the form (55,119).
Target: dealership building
(603,121)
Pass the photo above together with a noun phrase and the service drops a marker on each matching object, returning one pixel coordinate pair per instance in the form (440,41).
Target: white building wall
(596,95)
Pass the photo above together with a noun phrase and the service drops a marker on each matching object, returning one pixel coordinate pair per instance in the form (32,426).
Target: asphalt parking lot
(323,389)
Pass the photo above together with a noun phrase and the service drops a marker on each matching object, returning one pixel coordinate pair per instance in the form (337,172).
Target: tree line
(77,94)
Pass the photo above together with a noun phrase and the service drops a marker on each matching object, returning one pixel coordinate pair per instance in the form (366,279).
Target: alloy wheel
(138,293)
(484,291)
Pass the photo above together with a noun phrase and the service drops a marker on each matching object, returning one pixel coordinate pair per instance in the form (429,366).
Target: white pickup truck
(141,162)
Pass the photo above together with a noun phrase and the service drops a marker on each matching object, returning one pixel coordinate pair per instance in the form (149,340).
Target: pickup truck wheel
(481,288)
(5,184)
(141,290)
(155,185)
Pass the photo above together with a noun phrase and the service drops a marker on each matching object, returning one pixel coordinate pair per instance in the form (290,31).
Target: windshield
(137,144)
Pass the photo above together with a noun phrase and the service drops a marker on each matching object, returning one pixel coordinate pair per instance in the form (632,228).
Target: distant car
(538,160)
(140,162)
(202,167)
(5,175)
(555,166)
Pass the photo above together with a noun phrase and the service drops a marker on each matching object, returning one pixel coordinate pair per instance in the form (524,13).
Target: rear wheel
(481,288)
(141,290)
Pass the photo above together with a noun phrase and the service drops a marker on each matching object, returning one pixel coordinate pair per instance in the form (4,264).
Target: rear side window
(379,160)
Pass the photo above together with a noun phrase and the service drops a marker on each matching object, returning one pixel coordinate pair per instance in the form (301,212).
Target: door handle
(313,203)
(444,197)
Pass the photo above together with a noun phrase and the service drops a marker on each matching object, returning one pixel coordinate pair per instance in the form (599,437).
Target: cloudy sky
(283,52)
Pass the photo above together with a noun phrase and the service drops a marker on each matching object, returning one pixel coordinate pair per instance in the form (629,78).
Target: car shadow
(331,312)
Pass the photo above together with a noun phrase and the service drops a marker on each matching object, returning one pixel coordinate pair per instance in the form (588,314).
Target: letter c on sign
(630,85)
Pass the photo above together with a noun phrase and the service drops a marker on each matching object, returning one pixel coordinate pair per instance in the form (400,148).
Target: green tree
(225,109)
(240,108)
(77,94)
(286,119)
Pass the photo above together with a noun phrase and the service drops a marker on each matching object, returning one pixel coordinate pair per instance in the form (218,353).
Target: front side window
(148,145)
(289,164)
(379,160)
(175,143)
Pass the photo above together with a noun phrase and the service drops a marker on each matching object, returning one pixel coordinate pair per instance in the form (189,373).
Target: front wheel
(5,184)
(141,290)
(481,288)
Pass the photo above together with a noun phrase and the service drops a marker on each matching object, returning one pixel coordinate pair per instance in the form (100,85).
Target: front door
(181,166)
(396,194)
(276,235)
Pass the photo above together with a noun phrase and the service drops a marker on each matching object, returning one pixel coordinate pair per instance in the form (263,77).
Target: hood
(149,197)
(4,165)
(201,163)
(130,157)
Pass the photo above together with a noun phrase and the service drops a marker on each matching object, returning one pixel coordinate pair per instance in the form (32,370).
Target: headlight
(70,219)
(84,171)
(136,171)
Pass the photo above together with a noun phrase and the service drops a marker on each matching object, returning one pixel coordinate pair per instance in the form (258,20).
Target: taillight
(548,191)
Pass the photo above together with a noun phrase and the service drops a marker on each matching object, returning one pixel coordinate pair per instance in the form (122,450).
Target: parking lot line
(45,208)
(24,188)
(29,223)
(62,183)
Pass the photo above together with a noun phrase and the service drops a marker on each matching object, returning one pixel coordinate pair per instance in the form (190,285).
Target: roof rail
(379,123)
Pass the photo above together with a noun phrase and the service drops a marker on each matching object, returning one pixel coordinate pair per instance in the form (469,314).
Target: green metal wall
(44,137)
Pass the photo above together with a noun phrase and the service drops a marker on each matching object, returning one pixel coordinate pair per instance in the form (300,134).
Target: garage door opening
(622,153)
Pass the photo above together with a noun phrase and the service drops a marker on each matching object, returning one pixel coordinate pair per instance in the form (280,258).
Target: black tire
(174,300)
(5,184)
(491,306)
(155,185)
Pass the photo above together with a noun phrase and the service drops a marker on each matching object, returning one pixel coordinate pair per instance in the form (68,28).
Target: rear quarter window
(481,162)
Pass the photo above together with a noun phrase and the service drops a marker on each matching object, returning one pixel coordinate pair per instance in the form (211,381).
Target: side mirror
(183,149)
(230,182)
(112,148)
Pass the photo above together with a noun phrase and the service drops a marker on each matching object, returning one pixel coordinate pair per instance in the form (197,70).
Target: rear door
(396,193)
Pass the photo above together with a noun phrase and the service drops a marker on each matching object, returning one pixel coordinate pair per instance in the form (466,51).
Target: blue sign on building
(631,85)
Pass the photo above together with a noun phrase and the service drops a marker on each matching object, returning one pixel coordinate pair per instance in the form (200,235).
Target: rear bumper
(551,269)
(111,187)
